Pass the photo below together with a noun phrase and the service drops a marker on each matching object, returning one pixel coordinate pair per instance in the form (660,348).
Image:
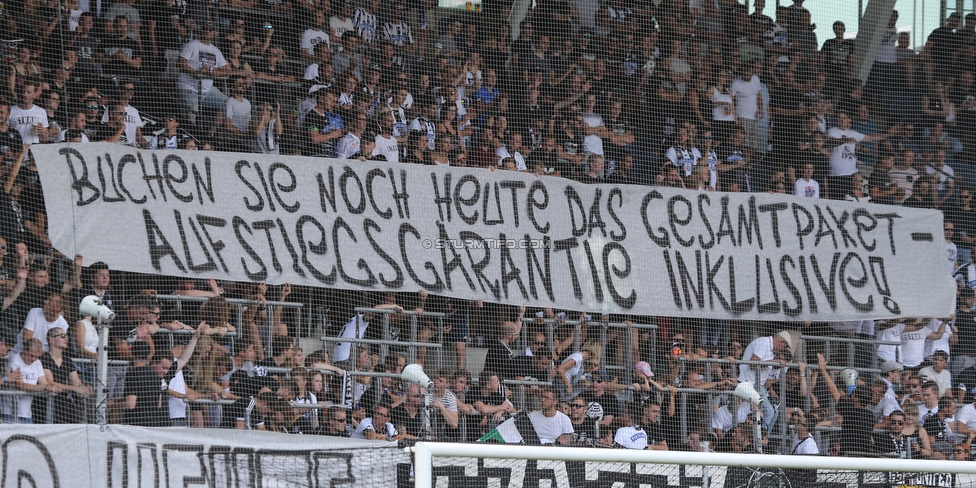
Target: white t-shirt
(913,347)
(312,37)
(23,121)
(132,121)
(940,344)
(340,27)
(746,95)
(762,348)
(31,373)
(387,147)
(367,425)
(239,113)
(843,158)
(200,56)
(503,153)
(550,428)
(805,447)
(348,146)
(177,407)
(593,143)
(943,378)
(805,188)
(967,415)
(572,373)
(38,325)
(952,255)
(890,353)
(631,437)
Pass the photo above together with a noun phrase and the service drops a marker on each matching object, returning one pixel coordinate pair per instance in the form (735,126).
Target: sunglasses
(592,363)
(577,405)
(897,422)
(91,107)
(63,336)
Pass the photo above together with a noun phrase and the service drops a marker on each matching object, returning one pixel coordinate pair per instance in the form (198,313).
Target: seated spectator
(739,441)
(632,434)
(335,423)
(894,441)
(378,426)
(408,416)
(806,186)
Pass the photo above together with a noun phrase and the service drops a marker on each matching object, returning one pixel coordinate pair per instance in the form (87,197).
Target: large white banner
(119,456)
(499,236)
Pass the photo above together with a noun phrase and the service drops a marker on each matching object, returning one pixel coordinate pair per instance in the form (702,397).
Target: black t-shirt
(881,181)
(405,423)
(112,65)
(64,409)
(499,360)
(966,380)
(608,403)
(963,220)
(855,432)
(152,408)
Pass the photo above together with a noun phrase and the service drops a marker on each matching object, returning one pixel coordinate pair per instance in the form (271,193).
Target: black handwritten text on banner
(500,236)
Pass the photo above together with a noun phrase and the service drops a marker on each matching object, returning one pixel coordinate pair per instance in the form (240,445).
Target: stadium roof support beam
(871,31)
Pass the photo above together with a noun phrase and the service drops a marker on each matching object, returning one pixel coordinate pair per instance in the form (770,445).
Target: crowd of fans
(701,95)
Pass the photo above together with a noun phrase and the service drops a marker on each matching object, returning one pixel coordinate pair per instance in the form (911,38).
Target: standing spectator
(491,402)
(893,441)
(25,373)
(132,120)
(26,118)
(171,136)
(267,129)
(904,175)
(237,116)
(142,393)
(200,62)
(938,372)
(952,252)
(842,141)
(745,89)
(500,356)
(576,366)
(315,35)
(60,371)
(803,443)
(806,186)
(120,55)
(551,425)
(880,185)
(322,126)
(40,320)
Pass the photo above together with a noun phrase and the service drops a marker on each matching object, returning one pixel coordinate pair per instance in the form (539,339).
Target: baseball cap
(889,366)
(792,338)
(645,368)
